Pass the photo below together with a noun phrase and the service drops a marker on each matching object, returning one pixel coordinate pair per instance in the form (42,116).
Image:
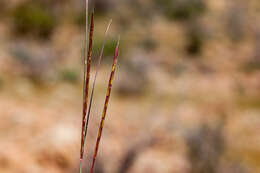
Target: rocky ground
(185,99)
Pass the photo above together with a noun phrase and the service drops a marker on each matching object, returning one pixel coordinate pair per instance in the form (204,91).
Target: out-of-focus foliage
(69,75)
(32,17)
(181,9)
(109,49)
(196,40)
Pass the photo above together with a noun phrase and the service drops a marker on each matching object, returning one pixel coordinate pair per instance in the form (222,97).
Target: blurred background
(186,96)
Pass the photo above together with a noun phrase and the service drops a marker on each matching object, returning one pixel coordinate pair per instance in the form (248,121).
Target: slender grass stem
(109,88)
(89,57)
(94,82)
(85,86)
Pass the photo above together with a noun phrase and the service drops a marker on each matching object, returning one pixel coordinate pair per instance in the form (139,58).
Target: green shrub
(196,37)
(69,75)
(181,9)
(33,18)
(195,43)
(109,48)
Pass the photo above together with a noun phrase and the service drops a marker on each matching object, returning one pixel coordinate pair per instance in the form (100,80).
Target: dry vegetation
(186,97)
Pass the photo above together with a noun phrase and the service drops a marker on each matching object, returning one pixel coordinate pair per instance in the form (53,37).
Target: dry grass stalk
(85,101)
(109,88)
(94,82)
(85,87)
(87,67)
(87,111)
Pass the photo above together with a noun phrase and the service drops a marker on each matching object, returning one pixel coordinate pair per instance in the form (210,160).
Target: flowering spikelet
(109,88)
(87,75)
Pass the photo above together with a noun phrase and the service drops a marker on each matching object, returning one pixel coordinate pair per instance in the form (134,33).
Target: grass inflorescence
(87,68)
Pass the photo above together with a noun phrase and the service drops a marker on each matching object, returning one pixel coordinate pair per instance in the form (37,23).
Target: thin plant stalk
(85,54)
(109,88)
(94,82)
(89,57)
(85,84)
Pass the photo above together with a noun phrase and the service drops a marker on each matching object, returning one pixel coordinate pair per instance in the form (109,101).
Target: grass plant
(87,69)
